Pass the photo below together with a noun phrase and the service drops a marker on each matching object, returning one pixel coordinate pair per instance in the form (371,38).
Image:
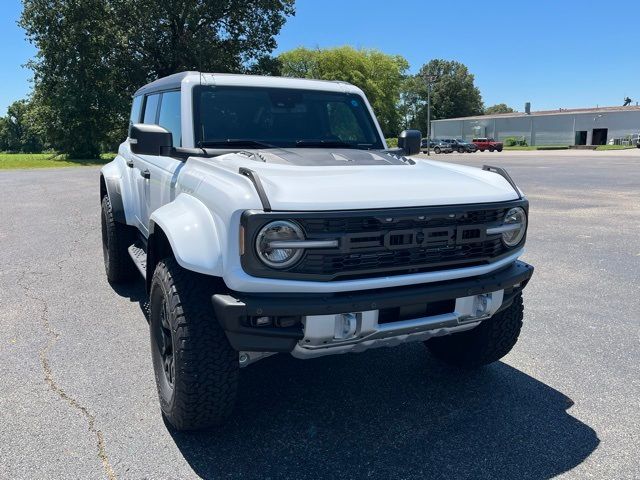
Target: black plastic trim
(503,173)
(255,179)
(115,198)
(232,309)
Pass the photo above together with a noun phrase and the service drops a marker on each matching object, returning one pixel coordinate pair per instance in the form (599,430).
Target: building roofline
(541,113)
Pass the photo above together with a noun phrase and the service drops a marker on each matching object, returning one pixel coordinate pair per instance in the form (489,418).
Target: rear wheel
(460,150)
(437,150)
(486,343)
(116,239)
(196,368)
(491,149)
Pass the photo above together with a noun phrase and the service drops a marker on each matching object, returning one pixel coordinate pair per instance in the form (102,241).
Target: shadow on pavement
(390,413)
(135,292)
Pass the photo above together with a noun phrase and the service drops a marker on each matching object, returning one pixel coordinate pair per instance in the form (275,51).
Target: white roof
(178,79)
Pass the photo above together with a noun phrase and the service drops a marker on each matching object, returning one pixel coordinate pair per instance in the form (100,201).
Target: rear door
(133,207)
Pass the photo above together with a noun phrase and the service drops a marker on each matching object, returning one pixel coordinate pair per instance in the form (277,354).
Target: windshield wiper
(235,142)
(331,143)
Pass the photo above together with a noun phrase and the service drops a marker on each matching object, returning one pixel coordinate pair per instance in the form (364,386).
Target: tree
(411,101)
(379,75)
(453,92)
(17,130)
(220,36)
(93,55)
(498,108)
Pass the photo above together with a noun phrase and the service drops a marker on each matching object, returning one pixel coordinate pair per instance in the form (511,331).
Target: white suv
(268,215)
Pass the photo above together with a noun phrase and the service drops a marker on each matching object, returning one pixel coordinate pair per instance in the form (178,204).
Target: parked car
(460,146)
(487,144)
(260,223)
(438,146)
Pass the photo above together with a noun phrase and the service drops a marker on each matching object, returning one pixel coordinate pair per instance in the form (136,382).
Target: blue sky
(552,53)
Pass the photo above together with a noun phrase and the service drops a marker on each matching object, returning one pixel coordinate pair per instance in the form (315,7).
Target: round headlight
(279,231)
(515,216)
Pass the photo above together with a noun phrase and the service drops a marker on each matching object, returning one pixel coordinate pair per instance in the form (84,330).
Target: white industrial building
(582,126)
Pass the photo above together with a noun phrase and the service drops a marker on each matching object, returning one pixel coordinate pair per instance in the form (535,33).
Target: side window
(150,108)
(170,116)
(136,110)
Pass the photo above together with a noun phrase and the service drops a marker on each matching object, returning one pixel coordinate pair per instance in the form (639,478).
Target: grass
(615,147)
(9,161)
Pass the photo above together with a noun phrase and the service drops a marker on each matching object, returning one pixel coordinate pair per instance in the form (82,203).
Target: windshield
(276,117)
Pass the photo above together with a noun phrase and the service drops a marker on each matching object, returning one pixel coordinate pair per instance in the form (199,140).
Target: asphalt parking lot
(78,399)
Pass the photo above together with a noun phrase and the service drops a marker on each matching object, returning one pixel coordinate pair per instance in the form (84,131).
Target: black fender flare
(111,187)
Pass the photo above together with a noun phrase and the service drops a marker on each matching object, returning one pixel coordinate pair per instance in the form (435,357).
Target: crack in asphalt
(52,338)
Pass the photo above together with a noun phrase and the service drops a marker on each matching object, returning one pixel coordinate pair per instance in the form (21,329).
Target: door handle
(130,163)
(145,174)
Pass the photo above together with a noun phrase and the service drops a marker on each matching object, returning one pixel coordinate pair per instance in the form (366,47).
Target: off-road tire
(116,239)
(205,373)
(486,343)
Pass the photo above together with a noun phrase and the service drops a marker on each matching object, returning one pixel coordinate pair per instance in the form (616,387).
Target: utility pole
(429,79)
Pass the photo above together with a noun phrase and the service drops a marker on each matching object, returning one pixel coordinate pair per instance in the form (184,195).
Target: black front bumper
(234,309)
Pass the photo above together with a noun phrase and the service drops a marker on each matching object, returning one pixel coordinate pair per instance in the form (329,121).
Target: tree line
(93,54)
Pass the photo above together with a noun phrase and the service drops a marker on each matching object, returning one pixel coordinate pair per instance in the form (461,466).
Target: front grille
(414,260)
(389,242)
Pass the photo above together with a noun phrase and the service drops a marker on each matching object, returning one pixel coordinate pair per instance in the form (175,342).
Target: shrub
(515,141)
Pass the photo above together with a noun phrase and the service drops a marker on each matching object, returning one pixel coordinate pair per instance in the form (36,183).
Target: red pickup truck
(487,144)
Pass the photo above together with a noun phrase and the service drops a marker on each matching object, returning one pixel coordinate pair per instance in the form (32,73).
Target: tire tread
(119,267)
(484,344)
(206,365)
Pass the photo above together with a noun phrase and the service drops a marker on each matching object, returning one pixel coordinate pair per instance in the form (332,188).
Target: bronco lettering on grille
(433,237)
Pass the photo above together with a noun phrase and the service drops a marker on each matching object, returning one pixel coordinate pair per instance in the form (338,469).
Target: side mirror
(149,139)
(410,141)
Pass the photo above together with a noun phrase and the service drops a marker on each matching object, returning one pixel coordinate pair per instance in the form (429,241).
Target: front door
(154,176)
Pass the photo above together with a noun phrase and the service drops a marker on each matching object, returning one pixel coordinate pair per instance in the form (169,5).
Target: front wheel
(437,150)
(196,368)
(484,344)
(460,150)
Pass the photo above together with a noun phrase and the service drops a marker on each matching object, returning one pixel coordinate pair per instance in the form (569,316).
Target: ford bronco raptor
(268,215)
